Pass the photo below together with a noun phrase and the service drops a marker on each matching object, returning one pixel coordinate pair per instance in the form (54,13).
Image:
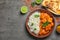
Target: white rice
(36,22)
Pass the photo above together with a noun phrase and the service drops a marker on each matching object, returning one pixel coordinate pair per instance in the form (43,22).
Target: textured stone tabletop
(12,23)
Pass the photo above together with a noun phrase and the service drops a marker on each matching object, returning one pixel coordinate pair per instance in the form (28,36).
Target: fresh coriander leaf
(45,24)
(32,24)
(34,28)
(33,4)
(36,16)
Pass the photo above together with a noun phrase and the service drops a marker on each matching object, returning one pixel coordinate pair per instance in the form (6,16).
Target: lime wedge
(24,9)
(38,1)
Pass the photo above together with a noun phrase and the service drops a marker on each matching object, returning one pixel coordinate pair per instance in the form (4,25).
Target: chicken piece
(50,19)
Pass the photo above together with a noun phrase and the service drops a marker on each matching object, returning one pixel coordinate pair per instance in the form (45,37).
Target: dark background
(12,23)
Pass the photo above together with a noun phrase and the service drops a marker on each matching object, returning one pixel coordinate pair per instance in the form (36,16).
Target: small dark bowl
(27,27)
(57,30)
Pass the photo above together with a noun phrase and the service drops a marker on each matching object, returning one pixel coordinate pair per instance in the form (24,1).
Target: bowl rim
(27,27)
(56,28)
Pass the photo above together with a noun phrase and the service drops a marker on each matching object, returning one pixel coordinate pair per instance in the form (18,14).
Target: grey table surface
(12,23)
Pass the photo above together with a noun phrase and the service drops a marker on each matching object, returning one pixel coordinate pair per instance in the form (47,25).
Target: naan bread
(52,4)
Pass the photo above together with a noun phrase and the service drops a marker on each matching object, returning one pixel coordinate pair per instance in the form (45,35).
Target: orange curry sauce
(43,19)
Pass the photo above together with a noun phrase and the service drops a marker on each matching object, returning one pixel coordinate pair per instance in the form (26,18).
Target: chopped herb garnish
(32,24)
(33,4)
(34,28)
(36,16)
(45,24)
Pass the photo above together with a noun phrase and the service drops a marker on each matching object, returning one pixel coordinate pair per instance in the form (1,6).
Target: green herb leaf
(45,24)
(32,24)
(34,28)
(33,4)
(36,16)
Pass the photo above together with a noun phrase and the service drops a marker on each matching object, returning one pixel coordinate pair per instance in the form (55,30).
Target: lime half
(24,9)
(38,1)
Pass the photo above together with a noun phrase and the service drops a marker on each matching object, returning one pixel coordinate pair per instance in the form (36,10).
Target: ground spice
(28,3)
(58,19)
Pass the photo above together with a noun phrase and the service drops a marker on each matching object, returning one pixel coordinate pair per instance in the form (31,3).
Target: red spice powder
(57,19)
(28,3)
